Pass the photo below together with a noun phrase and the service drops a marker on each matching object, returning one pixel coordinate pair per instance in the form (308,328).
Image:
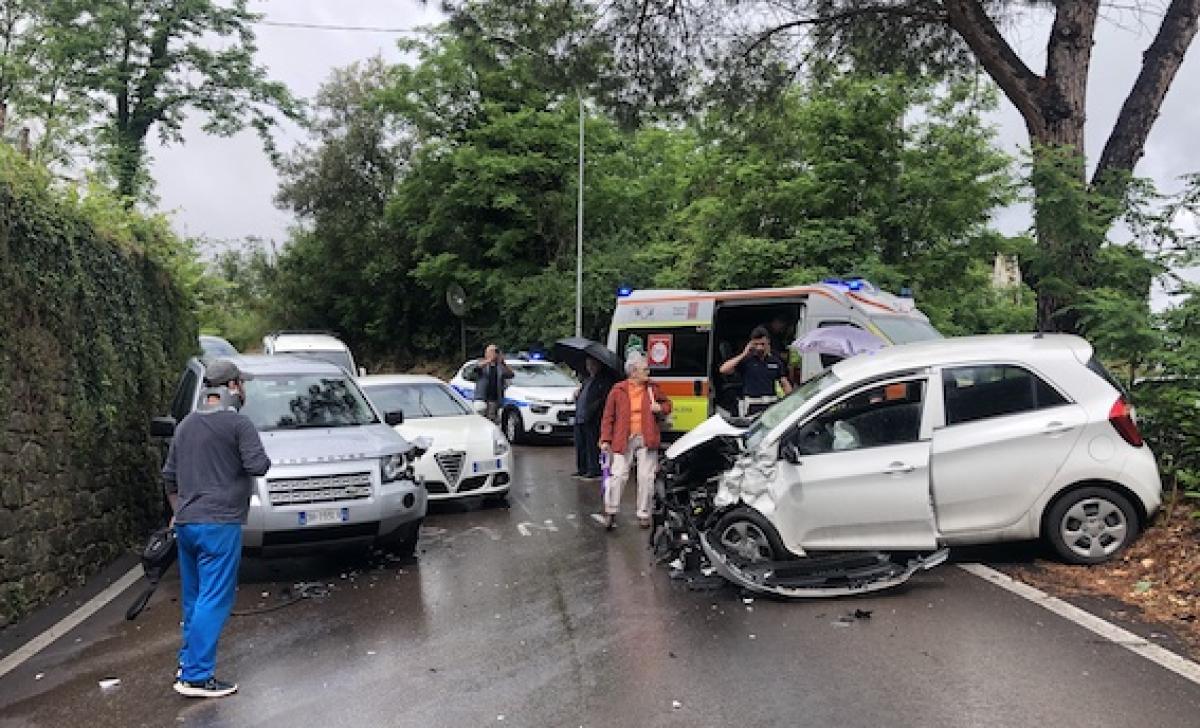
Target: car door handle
(1055,429)
(898,468)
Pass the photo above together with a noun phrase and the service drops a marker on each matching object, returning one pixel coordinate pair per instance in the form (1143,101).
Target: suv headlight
(393,468)
(500,444)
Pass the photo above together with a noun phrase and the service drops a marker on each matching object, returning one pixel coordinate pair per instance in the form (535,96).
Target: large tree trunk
(128,153)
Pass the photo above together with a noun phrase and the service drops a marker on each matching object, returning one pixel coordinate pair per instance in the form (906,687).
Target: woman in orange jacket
(629,433)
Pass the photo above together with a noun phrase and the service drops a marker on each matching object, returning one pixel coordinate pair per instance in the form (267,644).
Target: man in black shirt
(489,388)
(760,369)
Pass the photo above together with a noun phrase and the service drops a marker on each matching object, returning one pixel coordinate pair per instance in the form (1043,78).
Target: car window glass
(980,392)
(416,401)
(331,356)
(185,394)
(781,410)
(888,414)
(540,375)
(288,402)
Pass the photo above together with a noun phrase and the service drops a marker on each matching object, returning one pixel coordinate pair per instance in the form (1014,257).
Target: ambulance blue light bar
(624,292)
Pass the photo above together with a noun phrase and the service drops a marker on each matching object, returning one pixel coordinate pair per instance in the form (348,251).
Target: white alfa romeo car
(468,456)
(538,400)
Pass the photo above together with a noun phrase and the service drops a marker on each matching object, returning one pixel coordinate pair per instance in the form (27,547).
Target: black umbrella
(576,350)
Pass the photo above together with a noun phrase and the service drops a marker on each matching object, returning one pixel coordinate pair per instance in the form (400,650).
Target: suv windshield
(782,409)
(331,356)
(291,402)
(905,329)
(540,375)
(416,400)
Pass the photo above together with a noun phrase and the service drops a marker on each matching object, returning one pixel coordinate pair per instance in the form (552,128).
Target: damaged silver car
(866,474)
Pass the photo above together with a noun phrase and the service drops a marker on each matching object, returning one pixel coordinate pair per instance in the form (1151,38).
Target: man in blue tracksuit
(209,475)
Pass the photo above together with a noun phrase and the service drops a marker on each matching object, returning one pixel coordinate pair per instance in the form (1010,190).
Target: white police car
(538,400)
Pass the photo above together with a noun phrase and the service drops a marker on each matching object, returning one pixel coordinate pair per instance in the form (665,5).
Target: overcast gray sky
(221,188)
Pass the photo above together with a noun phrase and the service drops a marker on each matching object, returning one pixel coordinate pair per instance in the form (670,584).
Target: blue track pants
(209,554)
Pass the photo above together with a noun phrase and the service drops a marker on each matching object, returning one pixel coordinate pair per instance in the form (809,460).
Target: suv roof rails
(281,332)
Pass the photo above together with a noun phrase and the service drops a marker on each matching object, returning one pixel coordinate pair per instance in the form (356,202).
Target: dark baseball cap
(223,371)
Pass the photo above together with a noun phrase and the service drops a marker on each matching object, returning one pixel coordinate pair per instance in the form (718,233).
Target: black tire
(403,541)
(1091,525)
(741,523)
(514,428)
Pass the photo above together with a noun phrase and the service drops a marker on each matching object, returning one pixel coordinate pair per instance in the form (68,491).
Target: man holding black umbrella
(589,406)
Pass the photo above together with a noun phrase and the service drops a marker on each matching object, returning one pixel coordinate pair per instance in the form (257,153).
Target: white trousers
(622,467)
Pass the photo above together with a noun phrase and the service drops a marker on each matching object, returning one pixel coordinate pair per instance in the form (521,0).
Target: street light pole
(579,229)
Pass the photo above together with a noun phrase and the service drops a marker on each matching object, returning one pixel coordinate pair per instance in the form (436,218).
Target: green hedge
(93,333)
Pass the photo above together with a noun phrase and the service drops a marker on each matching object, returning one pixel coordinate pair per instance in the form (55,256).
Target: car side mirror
(162,427)
(790,452)
(393,418)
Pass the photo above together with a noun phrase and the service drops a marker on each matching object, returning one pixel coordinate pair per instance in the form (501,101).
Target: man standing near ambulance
(209,475)
(761,371)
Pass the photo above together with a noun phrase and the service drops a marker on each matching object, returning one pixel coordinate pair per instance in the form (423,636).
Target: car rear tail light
(1121,417)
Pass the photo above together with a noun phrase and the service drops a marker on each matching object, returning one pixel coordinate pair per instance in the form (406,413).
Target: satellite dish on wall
(456,299)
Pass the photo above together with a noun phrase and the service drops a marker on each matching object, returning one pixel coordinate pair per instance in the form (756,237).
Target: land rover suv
(339,472)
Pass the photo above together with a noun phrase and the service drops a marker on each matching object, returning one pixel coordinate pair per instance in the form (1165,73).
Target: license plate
(324,516)
(486,466)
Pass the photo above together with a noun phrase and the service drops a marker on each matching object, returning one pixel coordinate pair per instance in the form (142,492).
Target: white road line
(70,622)
(1159,655)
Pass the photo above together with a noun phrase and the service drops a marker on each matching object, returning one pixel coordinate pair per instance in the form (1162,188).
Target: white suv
(961,441)
(538,400)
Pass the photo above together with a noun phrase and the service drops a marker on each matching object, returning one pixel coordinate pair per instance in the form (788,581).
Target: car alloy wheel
(1094,528)
(746,541)
(1090,525)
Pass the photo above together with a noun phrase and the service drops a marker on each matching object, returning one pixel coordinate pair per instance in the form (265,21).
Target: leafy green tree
(345,268)
(147,63)
(660,39)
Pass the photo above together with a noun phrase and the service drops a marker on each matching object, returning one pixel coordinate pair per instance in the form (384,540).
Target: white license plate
(324,516)
(486,466)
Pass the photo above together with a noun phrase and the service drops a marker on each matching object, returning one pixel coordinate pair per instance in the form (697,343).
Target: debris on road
(676,705)
(110,683)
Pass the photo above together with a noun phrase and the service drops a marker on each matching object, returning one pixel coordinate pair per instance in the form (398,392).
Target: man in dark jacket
(589,406)
(209,475)
(494,374)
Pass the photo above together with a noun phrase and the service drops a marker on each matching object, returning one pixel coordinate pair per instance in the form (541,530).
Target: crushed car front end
(714,498)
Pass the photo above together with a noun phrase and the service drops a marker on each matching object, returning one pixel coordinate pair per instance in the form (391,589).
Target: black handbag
(158,554)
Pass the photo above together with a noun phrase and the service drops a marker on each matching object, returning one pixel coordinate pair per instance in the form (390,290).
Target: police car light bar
(624,292)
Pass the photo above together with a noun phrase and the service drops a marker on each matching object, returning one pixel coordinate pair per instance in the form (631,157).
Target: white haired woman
(629,431)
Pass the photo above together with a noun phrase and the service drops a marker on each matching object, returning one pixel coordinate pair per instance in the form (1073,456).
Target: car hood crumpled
(712,428)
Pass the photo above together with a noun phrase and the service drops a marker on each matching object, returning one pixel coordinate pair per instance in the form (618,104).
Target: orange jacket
(614,424)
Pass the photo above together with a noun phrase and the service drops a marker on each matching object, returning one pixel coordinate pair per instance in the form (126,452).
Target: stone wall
(93,334)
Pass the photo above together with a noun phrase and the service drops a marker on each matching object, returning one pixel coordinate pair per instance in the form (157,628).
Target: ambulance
(686,335)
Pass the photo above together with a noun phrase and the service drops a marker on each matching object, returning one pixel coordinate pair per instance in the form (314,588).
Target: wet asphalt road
(532,615)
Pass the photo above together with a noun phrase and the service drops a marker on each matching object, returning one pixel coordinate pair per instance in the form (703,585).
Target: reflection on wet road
(532,615)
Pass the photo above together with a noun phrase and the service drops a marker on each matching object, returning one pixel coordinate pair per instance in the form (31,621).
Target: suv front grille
(451,463)
(319,489)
